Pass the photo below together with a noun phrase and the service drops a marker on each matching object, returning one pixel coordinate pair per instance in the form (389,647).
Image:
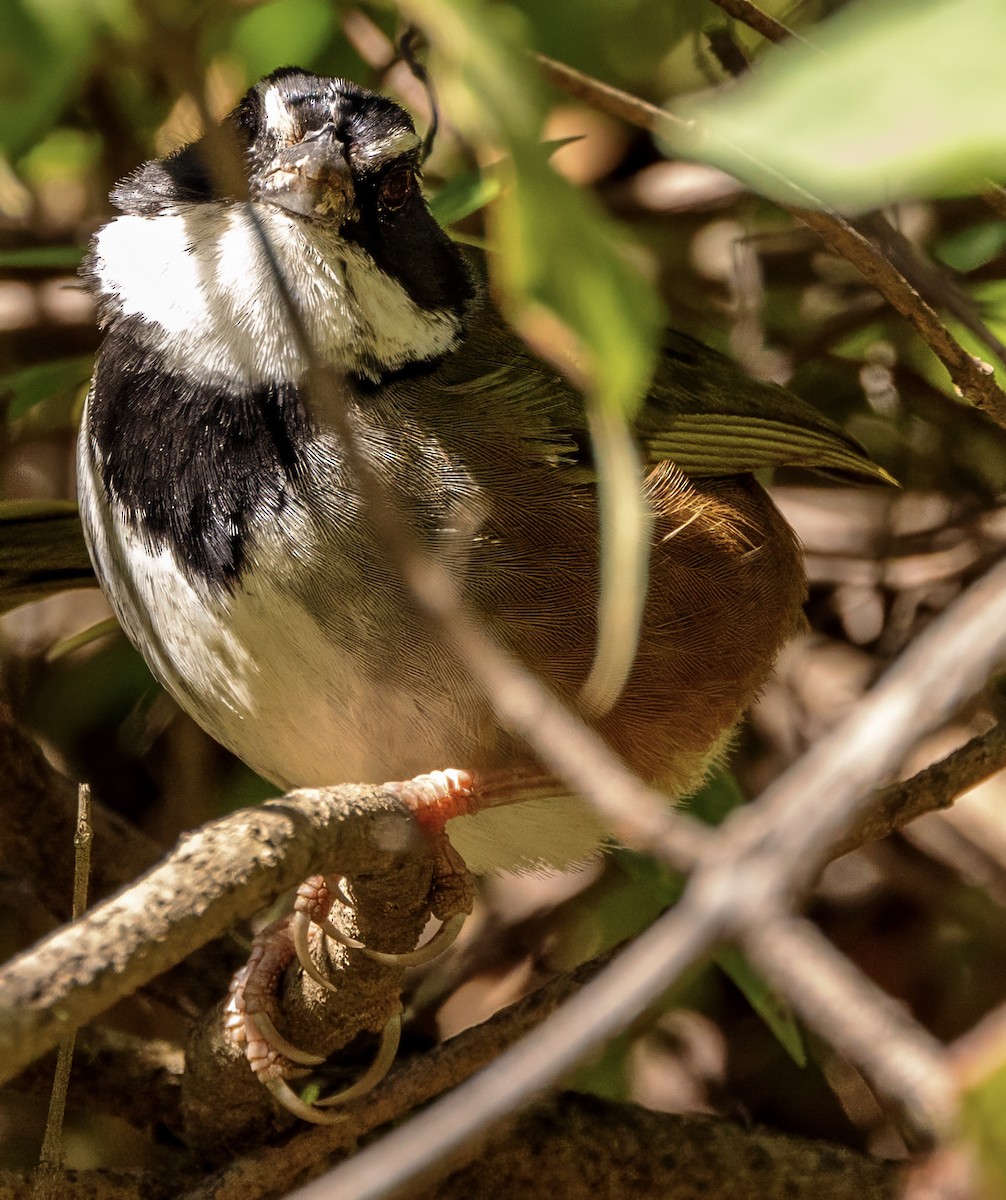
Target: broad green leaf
(566,282)
(282,32)
(42,258)
(21,390)
(719,796)
(893,99)
(45,46)
(608,1073)
(467,193)
(973,246)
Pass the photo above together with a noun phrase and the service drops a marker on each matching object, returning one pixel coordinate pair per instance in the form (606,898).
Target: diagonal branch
(764,856)
(230,869)
(974,379)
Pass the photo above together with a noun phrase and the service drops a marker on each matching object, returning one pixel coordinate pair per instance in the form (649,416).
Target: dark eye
(396,188)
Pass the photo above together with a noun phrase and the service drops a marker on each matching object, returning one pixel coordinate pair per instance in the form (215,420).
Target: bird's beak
(311,177)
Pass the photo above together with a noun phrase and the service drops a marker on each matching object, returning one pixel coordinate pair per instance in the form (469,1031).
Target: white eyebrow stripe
(392,146)
(278,114)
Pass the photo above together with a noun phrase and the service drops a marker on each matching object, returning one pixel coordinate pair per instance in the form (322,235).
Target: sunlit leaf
(464,195)
(983,1116)
(42,258)
(44,47)
(21,390)
(566,282)
(281,33)
(891,100)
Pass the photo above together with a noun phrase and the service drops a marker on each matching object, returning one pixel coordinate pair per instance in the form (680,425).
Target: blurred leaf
(465,194)
(971,247)
(892,100)
(281,33)
(567,284)
(45,46)
(719,796)
(607,1074)
(42,551)
(42,257)
(773,1010)
(983,1116)
(21,390)
(85,637)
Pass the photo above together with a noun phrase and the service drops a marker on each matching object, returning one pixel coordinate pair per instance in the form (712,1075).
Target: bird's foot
(253,1006)
(250,1021)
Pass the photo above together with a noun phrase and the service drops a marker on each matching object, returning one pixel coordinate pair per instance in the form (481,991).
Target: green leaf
(567,283)
(465,194)
(608,1073)
(45,46)
(983,1116)
(42,258)
(282,32)
(42,551)
(720,795)
(83,638)
(24,389)
(774,1011)
(973,246)
(891,100)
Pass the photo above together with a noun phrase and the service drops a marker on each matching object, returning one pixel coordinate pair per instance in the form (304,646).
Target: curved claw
(386,1051)
(391,1035)
(285,1095)
(444,937)
(300,928)
(272,1035)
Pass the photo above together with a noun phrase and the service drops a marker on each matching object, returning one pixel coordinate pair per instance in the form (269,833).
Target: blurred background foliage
(591,222)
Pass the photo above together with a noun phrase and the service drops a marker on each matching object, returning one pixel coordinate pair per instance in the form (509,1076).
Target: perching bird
(229,533)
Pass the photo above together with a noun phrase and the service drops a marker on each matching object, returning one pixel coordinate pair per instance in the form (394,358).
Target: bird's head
(335,170)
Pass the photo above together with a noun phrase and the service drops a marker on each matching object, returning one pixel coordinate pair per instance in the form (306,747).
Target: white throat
(199,276)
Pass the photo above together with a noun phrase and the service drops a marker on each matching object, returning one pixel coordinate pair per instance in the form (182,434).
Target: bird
(231,535)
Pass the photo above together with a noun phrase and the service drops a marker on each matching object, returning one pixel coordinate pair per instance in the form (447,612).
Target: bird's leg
(434,799)
(253,1004)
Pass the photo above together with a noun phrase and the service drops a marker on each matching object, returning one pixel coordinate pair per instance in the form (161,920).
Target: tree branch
(974,378)
(229,870)
(764,856)
(573,1146)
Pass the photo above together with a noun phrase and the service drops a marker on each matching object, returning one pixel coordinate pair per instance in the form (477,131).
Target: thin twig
(975,379)
(933,788)
(606,98)
(763,856)
(770,28)
(48,1177)
(230,869)
(790,828)
(604,1007)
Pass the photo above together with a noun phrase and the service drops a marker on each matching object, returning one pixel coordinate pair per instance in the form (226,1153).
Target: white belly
(297,702)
